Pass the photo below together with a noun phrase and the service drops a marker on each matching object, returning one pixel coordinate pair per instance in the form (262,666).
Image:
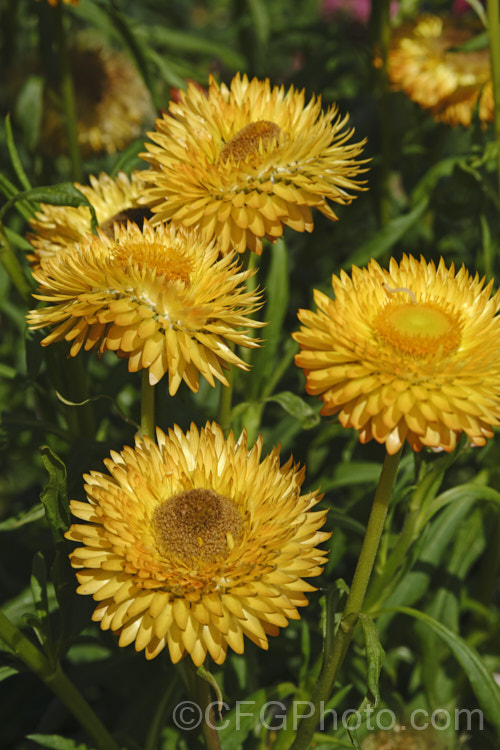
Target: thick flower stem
(68,94)
(493,15)
(204,701)
(147,406)
(56,680)
(332,662)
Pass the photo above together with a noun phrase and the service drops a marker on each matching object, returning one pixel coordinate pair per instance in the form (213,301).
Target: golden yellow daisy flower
(424,63)
(159,297)
(410,353)
(111,101)
(114,200)
(194,543)
(244,161)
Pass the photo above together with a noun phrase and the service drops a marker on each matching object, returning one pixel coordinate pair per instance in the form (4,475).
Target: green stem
(68,95)
(76,378)
(332,662)
(208,726)
(493,16)
(68,377)
(13,267)
(53,676)
(147,406)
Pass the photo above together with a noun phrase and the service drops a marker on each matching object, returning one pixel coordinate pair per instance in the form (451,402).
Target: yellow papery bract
(418,360)
(163,299)
(243,162)
(197,602)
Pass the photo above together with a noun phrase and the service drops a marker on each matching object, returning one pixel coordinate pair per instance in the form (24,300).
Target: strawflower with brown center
(114,199)
(112,102)
(161,298)
(426,62)
(409,353)
(242,162)
(195,543)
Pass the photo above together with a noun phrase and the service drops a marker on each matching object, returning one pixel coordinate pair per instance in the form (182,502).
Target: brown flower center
(136,214)
(167,261)
(420,329)
(197,524)
(248,140)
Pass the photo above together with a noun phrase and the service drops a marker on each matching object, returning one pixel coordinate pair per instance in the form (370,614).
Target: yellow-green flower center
(249,139)
(197,524)
(170,262)
(420,329)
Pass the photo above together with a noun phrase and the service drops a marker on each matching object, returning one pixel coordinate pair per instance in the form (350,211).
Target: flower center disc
(197,524)
(136,214)
(247,141)
(419,329)
(166,261)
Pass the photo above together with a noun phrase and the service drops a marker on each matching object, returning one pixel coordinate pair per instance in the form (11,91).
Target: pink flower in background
(460,6)
(358,10)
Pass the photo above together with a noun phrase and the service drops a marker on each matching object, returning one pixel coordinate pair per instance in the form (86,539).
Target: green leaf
(482,683)
(182,41)
(374,660)
(138,45)
(348,474)
(41,601)
(445,607)
(427,555)
(54,496)
(128,159)
(296,407)
(56,742)
(6,672)
(26,516)
(260,20)
(14,156)
(387,237)
(470,491)
(29,109)
(424,189)
(63,194)
(17,240)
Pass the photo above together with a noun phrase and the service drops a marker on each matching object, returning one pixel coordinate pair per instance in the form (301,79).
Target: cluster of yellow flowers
(193,542)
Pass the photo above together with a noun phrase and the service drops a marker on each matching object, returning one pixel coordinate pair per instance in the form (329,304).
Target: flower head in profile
(160,298)
(244,161)
(426,62)
(195,542)
(409,353)
(115,199)
(111,102)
